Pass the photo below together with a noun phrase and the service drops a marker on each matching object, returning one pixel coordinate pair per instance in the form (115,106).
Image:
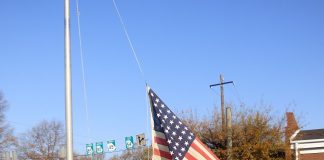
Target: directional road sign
(89,149)
(99,148)
(129,142)
(140,139)
(111,145)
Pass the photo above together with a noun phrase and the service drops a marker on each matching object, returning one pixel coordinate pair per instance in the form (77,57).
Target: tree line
(257,133)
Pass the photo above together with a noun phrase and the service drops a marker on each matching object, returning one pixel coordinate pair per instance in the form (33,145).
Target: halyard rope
(83,72)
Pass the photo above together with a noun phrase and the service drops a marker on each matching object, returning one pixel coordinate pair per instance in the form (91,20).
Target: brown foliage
(256,134)
(140,153)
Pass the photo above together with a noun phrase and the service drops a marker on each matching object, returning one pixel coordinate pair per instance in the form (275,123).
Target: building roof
(310,134)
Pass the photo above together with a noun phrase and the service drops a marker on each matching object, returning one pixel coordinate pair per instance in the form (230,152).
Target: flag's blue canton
(178,135)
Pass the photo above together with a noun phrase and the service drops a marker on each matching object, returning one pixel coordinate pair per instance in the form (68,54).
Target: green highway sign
(99,148)
(129,142)
(111,145)
(89,149)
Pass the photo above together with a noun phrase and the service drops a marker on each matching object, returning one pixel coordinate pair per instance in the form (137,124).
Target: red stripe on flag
(162,153)
(198,149)
(189,156)
(160,141)
(210,152)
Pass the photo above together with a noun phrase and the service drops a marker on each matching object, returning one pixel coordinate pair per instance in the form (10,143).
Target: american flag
(171,138)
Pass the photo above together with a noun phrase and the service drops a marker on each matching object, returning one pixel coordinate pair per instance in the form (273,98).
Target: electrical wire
(238,94)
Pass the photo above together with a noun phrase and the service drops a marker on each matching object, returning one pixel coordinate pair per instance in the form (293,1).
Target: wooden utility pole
(226,123)
(229,132)
(221,84)
(221,79)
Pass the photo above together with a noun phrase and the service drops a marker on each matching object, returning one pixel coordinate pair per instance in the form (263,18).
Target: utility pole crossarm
(218,84)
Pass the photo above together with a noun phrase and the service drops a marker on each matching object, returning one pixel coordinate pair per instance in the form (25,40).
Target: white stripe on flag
(156,157)
(203,148)
(195,154)
(158,134)
(161,147)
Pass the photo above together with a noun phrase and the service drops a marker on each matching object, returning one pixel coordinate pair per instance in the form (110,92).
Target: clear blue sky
(273,50)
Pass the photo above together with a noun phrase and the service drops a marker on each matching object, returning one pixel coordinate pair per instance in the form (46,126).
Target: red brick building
(304,144)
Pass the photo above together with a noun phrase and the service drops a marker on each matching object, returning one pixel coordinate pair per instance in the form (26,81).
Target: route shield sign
(89,149)
(111,145)
(99,148)
(129,142)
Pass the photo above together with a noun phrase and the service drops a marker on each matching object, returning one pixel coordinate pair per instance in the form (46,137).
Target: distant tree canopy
(7,140)
(256,134)
(44,141)
(142,153)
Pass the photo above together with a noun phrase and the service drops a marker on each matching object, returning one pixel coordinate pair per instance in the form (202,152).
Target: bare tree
(43,141)
(7,140)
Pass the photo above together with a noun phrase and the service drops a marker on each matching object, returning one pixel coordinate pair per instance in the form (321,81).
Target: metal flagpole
(68,90)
